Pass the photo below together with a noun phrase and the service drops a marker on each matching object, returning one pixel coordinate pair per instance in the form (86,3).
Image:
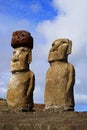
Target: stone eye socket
(14,52)
(23,50)
(53,44)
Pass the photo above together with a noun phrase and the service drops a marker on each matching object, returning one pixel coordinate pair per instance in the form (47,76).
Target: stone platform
(42,120)
(38,119)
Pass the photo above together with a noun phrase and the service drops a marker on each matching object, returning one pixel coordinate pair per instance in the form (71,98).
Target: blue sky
(46,21)
(33,10)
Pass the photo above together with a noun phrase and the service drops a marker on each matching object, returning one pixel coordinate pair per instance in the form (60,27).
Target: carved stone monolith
(21,85)
(60,77)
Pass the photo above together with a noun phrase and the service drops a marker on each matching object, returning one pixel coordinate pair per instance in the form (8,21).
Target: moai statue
(60,77)
(21,85)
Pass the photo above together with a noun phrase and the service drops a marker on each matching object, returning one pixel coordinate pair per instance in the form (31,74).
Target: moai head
(61,48)
(21,59)
(22,42)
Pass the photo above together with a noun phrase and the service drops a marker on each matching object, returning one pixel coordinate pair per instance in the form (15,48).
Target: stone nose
(15,58)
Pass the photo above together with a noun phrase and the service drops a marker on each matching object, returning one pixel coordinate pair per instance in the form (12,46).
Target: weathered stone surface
(60,49)
(43,120)
(60,77)
(22,38)
(20,90)
(22,82)
(21,59)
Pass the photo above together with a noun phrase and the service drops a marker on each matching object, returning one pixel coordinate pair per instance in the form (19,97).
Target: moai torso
(21,84)
(60,77)
(20,90)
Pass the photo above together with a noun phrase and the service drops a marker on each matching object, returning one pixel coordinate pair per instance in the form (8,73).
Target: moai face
(21,59)
(61,48)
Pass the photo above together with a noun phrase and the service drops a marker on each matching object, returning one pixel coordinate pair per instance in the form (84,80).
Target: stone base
(58,108)
(43,120)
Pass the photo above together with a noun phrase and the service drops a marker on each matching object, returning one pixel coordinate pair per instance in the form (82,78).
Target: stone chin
(17,67)
(56,57)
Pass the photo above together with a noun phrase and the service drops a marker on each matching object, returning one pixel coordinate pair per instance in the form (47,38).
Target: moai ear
(30,56)
(69,47)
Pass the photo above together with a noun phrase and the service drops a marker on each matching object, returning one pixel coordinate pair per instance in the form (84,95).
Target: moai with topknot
(21,85)
(60,77)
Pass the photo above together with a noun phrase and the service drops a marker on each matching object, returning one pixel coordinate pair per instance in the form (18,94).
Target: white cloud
(39,67)
(1,83)
(4,79)
(3,92)
(70,23)
(81,99)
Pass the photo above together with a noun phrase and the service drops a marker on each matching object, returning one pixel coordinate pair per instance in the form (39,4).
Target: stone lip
(22,38)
